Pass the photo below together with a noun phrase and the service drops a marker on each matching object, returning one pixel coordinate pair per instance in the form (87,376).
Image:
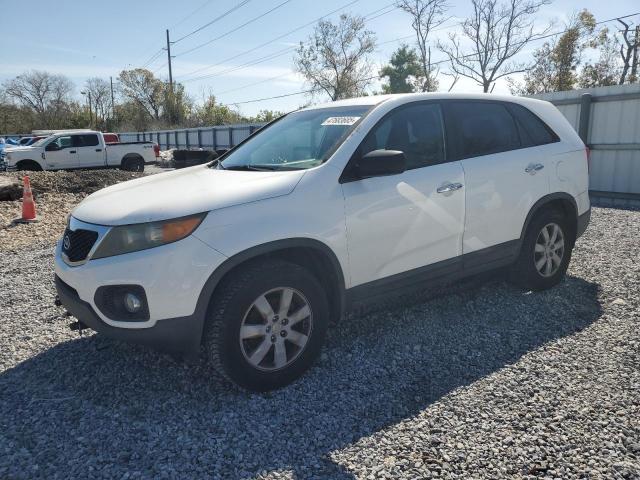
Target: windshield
(40,142)
(297,141)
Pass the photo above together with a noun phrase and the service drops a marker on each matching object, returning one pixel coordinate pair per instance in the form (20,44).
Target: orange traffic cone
(28,205)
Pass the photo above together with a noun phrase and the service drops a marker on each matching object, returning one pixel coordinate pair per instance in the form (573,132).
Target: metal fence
(608,121)
(214,138)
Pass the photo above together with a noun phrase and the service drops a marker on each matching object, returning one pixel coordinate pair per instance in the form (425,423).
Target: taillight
(587,151)
(156,150)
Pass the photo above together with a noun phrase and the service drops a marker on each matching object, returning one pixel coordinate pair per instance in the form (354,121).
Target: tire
(536,267)
(133,165)
(29,165)
(233,310)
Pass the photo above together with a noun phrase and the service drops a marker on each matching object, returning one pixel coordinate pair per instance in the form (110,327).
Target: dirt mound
(81,181)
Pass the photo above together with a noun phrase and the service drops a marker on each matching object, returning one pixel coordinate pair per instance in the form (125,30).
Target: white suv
(327,207)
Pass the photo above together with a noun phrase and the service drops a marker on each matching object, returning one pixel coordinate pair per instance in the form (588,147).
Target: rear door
(504,177)
(402,222)
(90,152)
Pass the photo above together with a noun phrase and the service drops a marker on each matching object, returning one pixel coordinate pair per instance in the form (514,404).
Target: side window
(416,130)
(533,131)
(89,140)
(482,128)
(63,142)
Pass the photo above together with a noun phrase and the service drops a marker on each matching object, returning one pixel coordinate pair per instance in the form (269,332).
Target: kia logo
(66,242)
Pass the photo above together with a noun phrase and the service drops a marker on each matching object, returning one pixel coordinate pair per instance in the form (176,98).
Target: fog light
(132,303)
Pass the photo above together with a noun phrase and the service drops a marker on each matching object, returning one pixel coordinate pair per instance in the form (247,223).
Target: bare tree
(335,60)
(46,94)
(145,90)
(629,52)
(496,33)
(426,15)
(100,91)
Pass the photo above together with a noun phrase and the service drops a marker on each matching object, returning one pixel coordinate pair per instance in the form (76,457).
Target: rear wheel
(133,164)
(545,253)
(266,325)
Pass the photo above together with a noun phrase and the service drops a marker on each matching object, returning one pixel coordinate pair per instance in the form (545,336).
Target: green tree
(402,71)
(556,62)
(606,70)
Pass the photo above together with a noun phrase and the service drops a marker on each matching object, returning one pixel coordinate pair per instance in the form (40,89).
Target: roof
(403,97)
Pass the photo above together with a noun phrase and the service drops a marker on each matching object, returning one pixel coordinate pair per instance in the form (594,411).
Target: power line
(218,18)
(279,37)
(254,83)
(229,32)
(542,37)
(207,2)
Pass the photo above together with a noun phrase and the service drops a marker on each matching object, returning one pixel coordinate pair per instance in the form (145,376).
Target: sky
(83,39)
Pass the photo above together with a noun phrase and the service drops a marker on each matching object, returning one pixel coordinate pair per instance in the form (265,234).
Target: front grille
(76,244)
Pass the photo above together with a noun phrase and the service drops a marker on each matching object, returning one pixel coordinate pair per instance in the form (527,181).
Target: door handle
(449,187)
(533,168)
(72,151)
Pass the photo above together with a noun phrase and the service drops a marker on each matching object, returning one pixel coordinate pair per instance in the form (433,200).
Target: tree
(266,116)
(213,113)
(145,90)
(426,15)
(606,70)
(403,70)
(557,61)
(100,91)
(496,33)
(335,60)
(46,95)
(629,52)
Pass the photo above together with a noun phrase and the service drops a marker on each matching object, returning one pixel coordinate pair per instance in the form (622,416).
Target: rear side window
(90,140)
(533,131)
(481,128)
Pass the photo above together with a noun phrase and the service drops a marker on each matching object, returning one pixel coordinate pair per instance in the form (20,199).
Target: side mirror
(52,147)
(380,163)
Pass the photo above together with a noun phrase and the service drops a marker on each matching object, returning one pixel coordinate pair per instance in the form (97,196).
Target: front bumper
(177,335)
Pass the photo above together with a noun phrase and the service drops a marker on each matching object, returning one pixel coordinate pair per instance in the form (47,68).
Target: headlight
(141,236)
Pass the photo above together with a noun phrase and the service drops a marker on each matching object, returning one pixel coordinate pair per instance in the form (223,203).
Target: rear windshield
(297,141)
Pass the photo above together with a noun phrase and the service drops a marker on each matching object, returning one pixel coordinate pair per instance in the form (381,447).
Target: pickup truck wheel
(133,164)
(545,253)
(29,165)
(266,325)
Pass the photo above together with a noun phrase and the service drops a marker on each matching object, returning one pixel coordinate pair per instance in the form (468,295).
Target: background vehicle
(327,207)
(81,149)
(111,138)
(26,141)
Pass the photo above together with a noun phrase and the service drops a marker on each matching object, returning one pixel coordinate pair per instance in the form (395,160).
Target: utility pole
(113,104)
(170,77)
(634,62)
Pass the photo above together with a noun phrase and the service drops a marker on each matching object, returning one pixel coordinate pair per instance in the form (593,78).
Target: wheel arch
(559,200)
(309,253)
(29,161)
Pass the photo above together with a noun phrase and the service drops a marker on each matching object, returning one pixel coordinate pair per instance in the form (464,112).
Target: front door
(61,154)
(399,223)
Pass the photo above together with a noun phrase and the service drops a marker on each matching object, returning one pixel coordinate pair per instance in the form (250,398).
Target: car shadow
(91,404)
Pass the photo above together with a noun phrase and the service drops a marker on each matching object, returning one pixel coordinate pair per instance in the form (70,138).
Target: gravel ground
(486,382)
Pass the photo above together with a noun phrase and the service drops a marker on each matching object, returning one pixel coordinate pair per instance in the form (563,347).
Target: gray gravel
(485,382)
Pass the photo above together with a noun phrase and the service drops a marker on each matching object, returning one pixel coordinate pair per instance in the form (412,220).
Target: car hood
(19,148)
(182,192)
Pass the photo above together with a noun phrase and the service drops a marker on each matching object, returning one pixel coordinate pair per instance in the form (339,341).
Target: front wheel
(545,253)
(266,325)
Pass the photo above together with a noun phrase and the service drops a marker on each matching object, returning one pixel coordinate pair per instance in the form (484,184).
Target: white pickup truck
(81,149)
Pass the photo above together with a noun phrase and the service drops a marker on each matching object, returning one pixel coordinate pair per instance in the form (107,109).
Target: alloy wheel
(549,250)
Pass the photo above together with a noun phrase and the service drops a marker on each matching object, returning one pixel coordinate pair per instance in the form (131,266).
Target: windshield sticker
(342,121)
